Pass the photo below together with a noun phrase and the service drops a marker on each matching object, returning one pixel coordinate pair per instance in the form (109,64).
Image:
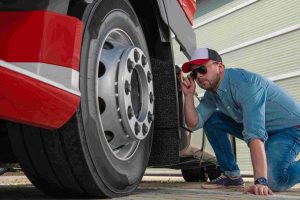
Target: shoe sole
(222,186)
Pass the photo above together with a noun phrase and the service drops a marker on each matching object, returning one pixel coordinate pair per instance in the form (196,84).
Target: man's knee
(277,183)
(276,186)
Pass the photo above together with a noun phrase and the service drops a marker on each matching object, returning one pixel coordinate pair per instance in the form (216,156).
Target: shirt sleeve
(205,109)
(252,99)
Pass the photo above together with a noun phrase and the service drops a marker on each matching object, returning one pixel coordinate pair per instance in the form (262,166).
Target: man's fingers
(248,190)
(183,79)
(270,191)
(263,190)
(185,84)
(256,190)
(192,80)
(266,191)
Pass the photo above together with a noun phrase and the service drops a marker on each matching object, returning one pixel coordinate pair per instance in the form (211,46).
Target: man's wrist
(261,181)
(190,95)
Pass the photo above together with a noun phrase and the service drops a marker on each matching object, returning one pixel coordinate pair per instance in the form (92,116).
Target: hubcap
(125,93)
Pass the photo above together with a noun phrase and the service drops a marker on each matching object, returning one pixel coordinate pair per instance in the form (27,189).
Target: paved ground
(152,187)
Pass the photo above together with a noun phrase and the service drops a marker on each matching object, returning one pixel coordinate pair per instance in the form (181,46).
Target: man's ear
(221,67)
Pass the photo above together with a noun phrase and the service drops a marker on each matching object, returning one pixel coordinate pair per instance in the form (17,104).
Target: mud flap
(165,145)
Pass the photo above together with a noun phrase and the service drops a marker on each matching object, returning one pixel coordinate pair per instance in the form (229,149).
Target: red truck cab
(88,90)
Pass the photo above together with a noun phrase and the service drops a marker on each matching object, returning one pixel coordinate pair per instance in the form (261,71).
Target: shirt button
(228,107)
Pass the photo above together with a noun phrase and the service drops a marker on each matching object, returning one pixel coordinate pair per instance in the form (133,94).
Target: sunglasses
(201,70)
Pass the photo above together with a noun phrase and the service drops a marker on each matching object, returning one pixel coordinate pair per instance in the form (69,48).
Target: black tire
(76,160)
(194,175)
(213,172)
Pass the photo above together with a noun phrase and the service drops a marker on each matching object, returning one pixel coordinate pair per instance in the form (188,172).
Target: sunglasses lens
(200,70)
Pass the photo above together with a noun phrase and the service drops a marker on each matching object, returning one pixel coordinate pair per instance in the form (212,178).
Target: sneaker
(224,182)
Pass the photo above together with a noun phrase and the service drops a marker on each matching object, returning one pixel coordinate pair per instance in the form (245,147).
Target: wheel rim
(125,95)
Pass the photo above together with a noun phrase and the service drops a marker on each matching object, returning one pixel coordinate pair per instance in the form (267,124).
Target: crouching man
(251,108)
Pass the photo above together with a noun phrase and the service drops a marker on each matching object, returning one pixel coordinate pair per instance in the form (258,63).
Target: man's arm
(252,99)
(188,87)
(190,113)
(259,163)
(258,158)
(193,118)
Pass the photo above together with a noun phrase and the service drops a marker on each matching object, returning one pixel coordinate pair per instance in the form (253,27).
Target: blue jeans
(281,147)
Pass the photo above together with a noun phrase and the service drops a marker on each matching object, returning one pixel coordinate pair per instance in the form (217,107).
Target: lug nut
(150,117)
(144,60)
(136,55)
(130,65)
(127,87)
(145,129)
(137,128)
(151,97)
(149,76)
(130,112)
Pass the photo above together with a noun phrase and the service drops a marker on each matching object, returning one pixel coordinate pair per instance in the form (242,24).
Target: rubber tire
(194,175)
(213,172)
(75,160)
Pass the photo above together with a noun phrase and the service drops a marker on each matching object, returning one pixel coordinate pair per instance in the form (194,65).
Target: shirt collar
(223,85)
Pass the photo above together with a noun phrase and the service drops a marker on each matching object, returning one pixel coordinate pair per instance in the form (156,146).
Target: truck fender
(173,16)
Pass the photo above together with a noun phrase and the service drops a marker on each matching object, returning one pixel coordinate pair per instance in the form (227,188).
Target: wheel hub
(125,94)
(135,93)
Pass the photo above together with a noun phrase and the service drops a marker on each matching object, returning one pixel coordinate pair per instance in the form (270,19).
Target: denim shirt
(256,102)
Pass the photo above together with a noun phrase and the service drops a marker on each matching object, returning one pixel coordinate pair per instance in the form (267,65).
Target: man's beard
(213,84)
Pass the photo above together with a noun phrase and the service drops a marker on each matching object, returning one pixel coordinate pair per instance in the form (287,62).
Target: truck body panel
(177,15)
(51,48)
(39,72)
(189,7)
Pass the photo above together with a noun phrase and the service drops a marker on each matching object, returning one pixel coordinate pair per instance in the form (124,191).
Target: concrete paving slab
(183,190)
(151,187)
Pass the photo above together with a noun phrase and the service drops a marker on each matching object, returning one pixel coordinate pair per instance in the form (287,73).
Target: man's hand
(188,85)
(258,189)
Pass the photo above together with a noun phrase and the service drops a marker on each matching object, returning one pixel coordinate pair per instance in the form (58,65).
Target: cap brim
(186,67)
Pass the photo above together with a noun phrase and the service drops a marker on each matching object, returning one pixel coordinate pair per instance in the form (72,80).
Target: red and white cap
(201,56)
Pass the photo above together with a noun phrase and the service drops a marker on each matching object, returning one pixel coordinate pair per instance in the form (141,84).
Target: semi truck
(89,93)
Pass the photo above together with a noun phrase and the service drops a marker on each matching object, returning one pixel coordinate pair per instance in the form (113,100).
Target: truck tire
(103,150)
(194,175)
(213,172)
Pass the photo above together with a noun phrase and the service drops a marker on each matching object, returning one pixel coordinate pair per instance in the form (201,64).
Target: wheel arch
(156,31)
(151,17)
(165,146)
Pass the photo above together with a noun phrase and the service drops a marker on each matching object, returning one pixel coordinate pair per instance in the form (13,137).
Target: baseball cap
(201,56)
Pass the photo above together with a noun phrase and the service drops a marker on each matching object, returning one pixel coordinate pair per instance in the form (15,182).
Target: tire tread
(45,160)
